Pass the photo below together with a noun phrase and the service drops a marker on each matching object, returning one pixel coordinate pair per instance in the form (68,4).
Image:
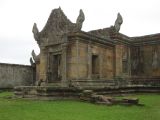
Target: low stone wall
(12,75)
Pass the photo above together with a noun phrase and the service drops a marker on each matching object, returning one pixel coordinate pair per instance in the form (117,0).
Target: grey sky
(140,17)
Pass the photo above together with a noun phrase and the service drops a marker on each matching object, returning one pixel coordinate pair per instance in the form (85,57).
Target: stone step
(93,84)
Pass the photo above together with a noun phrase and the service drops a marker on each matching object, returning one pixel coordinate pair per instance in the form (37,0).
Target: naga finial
(36,32)
(34,56)
(59,7)
(80,20)
(118,22)
(31,61)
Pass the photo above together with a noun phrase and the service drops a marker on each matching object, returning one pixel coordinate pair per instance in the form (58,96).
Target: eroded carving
(80,20)
(31,61)
(57,25)
(36,33)
(34,56)
(155,60)
(118,22)
(134,64)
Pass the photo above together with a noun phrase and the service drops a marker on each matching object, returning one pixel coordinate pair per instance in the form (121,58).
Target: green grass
(17,109)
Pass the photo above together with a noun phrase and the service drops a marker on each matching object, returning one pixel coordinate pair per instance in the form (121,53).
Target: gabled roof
(111,33)
(57,23)
(57,27)
(103,33)
(146,37)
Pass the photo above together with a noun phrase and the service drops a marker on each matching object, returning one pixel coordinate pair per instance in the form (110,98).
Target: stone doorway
(95,66)
(55,68)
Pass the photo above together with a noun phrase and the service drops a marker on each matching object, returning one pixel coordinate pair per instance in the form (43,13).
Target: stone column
(43,66)
(129,61)
(89,61)
(118,60)
(77,52)
(114,61)
(64,65)
(100,64)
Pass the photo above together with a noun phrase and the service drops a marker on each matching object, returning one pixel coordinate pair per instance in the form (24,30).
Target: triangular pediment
(57,23)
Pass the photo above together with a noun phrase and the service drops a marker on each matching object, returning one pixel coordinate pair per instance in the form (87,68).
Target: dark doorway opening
(55,68)
(95,66)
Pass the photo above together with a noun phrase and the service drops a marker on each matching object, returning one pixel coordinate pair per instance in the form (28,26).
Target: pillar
(64,65)
(89,61)
(43,66)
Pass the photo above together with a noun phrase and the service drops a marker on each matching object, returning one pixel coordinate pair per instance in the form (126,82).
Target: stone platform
(54,93)
(46,92)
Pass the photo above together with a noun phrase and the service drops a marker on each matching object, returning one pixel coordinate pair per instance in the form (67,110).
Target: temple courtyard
(22,109)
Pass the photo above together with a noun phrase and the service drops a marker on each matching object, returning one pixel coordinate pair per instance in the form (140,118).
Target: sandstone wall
(118,59)
(107,55)
(122,53)
(72,71)
(79,64)
(149,58)
(14,75)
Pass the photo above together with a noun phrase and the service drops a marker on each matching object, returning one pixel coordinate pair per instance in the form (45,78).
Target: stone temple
(72,60)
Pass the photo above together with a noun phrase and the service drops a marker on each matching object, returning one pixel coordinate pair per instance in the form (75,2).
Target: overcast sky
(140,17)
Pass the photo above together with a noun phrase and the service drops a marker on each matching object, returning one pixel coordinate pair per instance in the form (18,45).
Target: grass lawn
(17,109)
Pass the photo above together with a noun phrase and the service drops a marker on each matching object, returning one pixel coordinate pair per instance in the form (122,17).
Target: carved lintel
(80,20)
(118,22)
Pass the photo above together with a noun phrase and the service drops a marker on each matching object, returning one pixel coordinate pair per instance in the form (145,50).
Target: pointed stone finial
(118,22)
(80,20)
(34,56)
(31,61)
(36,32)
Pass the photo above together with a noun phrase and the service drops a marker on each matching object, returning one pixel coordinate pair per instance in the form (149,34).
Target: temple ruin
(99,59)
